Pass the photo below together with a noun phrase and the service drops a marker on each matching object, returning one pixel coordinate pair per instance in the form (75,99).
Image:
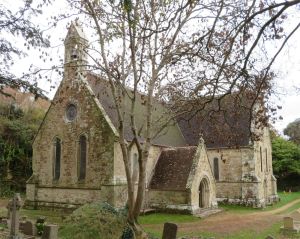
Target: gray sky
(287,66)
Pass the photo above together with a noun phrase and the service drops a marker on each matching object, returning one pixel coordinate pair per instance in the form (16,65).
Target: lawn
(285,198)
(55,217)
(153,223)
(160,218)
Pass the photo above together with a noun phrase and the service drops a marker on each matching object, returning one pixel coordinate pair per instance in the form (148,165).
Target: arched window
(261,160)
(57,158)
(82,157)
(267,160)
(216,168)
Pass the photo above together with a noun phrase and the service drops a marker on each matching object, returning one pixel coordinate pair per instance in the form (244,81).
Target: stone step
(207,212)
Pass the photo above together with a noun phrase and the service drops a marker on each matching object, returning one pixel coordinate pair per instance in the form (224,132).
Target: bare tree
(177,52)
(18,23)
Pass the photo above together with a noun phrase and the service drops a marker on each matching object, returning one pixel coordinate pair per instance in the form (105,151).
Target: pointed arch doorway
(204,194)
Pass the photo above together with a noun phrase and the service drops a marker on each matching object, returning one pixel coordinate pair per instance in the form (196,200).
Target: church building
(77,158)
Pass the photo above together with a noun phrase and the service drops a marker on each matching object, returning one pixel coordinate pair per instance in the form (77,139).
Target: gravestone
(288,223)
(27,228)
(289,226)
(13,207)
(50,232)
(170,231)
(269,237)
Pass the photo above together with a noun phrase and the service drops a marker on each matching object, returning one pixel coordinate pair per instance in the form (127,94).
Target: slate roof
(170,136)
(173,168)
(229,127)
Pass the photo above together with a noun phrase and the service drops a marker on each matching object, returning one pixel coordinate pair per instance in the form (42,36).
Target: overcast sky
(287,66)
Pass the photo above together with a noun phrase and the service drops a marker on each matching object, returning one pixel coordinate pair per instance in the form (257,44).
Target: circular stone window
(71,112)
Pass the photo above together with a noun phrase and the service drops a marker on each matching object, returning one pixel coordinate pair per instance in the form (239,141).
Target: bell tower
(75,50)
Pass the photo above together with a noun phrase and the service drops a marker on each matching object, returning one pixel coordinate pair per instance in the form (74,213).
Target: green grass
(290,209)
(3,226)
(55,217)
(285,198)
(160,218)
(274,230)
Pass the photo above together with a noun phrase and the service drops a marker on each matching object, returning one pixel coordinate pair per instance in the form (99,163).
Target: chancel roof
(227,126)
(169,136)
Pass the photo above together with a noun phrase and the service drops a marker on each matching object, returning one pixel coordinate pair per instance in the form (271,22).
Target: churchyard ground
(233,223)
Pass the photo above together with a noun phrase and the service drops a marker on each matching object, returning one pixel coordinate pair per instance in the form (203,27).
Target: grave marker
(50,232)
(14,206)
(170,231)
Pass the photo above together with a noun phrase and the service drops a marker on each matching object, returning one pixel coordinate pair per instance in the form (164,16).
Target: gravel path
(230,222)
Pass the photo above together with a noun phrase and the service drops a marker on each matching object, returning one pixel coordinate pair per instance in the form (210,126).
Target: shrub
(95,220)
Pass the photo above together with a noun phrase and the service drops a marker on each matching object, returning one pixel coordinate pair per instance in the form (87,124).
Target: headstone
(50,232)
(288,223)
(14,206)
(27,228)
(170,231)
(295,215)
(269,237)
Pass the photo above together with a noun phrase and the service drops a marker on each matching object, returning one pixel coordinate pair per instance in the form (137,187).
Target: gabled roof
(75,30)
(170,136)
(173,169)
(228,126)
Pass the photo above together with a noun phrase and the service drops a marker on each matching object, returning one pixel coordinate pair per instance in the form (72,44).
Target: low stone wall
(169,201)
(243,193)
(68,198)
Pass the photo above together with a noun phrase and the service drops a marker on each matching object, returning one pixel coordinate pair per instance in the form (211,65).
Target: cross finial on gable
(201,140)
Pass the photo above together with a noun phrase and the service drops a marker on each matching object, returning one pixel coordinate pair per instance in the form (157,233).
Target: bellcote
(75,46)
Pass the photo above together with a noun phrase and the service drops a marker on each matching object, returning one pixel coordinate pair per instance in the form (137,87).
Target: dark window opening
(82,157)
(267,160)
(57,154)
(216,168)
(261,162)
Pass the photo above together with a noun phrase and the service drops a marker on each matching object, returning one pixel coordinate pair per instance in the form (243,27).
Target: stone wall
(119,170)
(91,122)
(235,166)
(263,168)
(169,200)
(120,175)
(246,174)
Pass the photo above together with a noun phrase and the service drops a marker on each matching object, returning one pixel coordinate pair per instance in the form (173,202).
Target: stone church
(77,158)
